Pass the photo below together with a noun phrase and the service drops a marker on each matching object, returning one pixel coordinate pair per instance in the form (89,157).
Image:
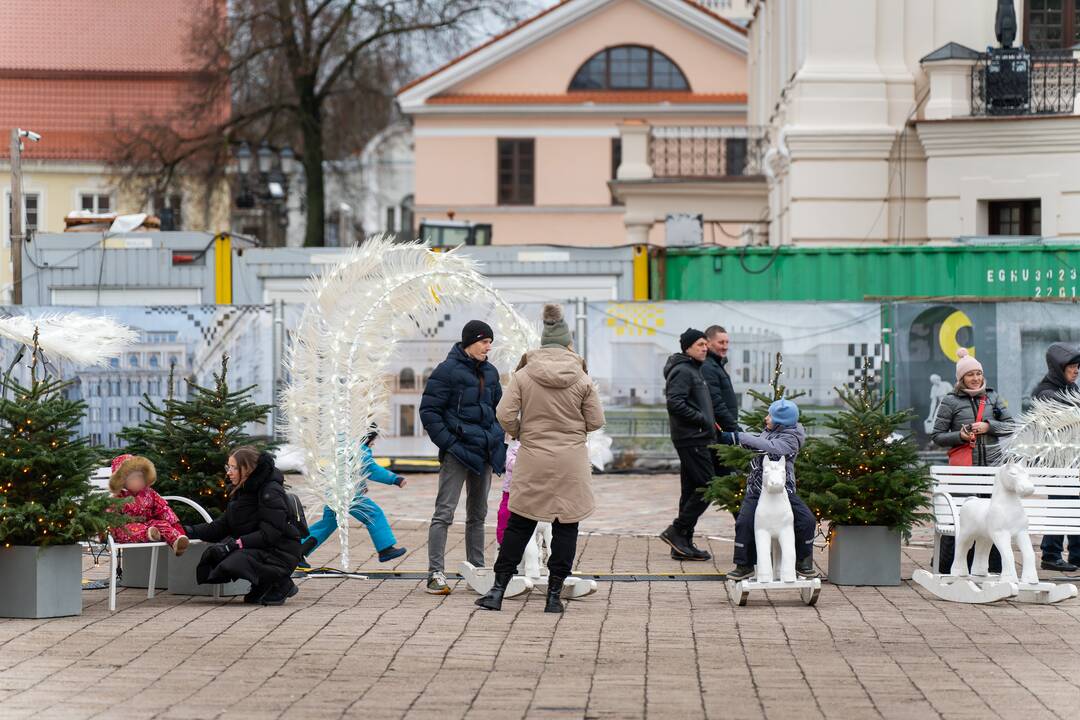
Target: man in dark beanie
(458,413)
(693,430)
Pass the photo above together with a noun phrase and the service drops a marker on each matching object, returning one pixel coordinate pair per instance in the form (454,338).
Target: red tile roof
(533,19)
(99,35)
(76,70)
(604,97)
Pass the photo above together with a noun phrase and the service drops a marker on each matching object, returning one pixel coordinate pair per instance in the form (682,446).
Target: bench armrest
(190,503)
(951,504)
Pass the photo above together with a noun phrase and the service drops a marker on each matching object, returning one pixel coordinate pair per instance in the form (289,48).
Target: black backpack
(296,516)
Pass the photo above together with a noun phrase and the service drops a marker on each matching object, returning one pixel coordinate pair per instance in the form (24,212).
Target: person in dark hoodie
(254,539)
(784,437)
(458,413)
(1059,383)
(693,430)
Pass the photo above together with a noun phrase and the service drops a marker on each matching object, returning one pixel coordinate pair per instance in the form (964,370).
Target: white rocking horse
(774,538)
(991,522)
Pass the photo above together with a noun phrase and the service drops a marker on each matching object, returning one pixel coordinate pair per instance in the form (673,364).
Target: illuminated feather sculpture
(82,339)
(1047,435)
(379,294)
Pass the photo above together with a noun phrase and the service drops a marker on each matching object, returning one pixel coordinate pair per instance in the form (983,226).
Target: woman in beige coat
(550,405)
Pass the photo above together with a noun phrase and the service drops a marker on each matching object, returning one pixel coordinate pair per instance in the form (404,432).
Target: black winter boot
(696,553)
(554,603)
(493,599)
(676,539)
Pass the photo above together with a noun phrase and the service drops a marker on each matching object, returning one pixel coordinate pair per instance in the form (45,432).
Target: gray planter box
(136,564)
(864,555)
(41,582)
(182,576)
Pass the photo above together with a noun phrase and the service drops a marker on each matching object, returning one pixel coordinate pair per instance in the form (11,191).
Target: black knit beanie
(475,331)
(689,337)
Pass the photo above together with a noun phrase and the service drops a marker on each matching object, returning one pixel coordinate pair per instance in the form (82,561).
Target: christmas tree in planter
(867,480)
(46,499)
(189,440)
(726,492)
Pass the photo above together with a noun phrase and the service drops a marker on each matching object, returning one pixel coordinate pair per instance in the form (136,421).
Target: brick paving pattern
(666,649)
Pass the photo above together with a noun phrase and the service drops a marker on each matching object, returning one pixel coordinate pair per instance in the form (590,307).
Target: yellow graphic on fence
(635,319)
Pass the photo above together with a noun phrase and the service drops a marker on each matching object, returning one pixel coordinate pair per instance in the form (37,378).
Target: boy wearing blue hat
(783,437)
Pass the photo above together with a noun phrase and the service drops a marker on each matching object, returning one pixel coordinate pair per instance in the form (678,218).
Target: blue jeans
(745,543)
(365,511)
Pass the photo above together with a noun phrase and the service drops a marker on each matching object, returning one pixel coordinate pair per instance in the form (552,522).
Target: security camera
(29,134)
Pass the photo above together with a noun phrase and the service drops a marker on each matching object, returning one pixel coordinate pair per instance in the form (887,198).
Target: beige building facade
(535,131)
(882,128)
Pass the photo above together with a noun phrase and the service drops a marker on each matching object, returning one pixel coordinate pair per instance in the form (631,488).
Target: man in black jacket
(693,430)
(458,413)
(1062,369)
(714,370)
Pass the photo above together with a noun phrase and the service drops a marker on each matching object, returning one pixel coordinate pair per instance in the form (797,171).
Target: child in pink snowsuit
(504,505)
(155,521)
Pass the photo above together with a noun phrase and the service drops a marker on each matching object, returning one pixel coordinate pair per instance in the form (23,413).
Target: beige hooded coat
(550,405)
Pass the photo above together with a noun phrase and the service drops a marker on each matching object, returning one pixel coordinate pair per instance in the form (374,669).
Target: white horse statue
(997,521)
(774,523)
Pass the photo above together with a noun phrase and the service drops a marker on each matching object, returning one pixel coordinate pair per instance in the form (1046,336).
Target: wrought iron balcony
(1016,81)
(706,152)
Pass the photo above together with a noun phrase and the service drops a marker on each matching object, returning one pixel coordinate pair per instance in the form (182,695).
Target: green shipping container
(955,272)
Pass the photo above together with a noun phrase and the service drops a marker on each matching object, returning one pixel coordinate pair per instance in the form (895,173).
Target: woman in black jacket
(254,539)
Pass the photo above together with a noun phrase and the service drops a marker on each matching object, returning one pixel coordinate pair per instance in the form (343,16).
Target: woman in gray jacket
(962,428)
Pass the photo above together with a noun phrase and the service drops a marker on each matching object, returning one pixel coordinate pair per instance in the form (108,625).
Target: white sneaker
(436,585)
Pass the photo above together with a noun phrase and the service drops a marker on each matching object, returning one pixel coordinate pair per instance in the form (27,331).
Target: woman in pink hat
(970,422)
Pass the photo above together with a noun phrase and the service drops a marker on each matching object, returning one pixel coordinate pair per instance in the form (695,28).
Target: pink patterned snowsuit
(152,511)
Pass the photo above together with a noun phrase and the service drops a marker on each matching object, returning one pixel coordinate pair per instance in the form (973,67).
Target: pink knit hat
(965,364)
(118,461)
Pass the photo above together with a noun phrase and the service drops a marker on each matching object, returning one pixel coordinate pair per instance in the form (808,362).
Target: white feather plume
(379,294)
(82,339)
(1047,435)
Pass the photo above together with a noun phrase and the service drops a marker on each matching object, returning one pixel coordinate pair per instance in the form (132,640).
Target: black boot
(554,603)
(493,599)
(676,539)
(696,553)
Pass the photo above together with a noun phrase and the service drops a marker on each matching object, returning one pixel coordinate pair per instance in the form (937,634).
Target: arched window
(425,377)
(629,67)
(407,379)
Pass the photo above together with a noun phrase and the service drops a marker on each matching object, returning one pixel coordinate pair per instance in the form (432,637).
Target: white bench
(116,549)
(953,484)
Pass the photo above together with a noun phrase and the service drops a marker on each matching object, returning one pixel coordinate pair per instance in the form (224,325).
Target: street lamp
(265,157)
(288,157)
(243,157)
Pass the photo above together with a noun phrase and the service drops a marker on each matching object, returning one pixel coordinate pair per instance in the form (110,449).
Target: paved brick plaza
(665,649)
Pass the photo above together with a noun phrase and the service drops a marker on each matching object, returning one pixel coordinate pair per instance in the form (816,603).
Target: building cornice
(999,136)
(663,108)
(871,143)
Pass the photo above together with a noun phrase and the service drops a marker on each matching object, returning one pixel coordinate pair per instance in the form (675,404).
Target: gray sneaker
(436,584)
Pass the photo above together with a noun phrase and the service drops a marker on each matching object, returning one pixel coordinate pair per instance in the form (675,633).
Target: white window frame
(42,214)
(96,193)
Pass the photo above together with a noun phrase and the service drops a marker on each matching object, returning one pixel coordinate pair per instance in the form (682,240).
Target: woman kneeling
(254,539)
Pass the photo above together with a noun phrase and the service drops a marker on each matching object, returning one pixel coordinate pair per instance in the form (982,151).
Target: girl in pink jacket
(153,519)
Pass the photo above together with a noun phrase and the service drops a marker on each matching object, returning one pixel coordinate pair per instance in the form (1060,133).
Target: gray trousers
(452,475)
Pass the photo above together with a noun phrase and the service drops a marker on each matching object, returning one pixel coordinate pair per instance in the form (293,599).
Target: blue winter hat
(784,412)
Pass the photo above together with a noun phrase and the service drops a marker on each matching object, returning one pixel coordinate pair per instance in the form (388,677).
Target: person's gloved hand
(219,551)
(187,530)
(729,438)
(401,481)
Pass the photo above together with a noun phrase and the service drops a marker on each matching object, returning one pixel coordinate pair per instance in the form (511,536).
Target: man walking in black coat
(725,402)
(1059,383)
(693,430)
(458,413)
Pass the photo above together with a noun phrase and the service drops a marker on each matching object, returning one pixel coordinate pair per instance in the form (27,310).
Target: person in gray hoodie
(784,437)
(1059,383)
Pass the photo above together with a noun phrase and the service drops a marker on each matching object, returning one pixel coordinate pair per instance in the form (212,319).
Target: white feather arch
(82,339)
(381,293)
(1047,435)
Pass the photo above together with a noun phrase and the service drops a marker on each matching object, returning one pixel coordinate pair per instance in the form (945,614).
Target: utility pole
(16,215)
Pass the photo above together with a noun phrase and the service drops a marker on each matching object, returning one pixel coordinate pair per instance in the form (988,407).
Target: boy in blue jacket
(783,437)
(364,509)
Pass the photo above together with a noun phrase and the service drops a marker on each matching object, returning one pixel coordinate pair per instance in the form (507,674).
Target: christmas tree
(189,440)
(727,491)
(867,472)
(45,493)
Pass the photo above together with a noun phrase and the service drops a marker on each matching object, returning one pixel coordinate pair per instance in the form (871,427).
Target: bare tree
(317,75)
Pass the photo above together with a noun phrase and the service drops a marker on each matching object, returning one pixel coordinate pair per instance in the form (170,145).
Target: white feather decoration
(82,339)
(1047,435)
(381,293)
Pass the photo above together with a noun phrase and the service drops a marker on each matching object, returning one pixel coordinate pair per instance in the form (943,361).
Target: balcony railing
(700,152)
(1018,82)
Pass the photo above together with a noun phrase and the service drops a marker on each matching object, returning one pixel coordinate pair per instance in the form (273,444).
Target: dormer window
(629,67)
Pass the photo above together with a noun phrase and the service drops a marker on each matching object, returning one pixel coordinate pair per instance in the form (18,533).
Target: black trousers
(745,545)
(519,531)
(696,468)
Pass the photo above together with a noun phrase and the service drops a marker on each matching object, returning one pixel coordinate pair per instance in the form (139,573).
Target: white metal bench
(116,550)
(953,484)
